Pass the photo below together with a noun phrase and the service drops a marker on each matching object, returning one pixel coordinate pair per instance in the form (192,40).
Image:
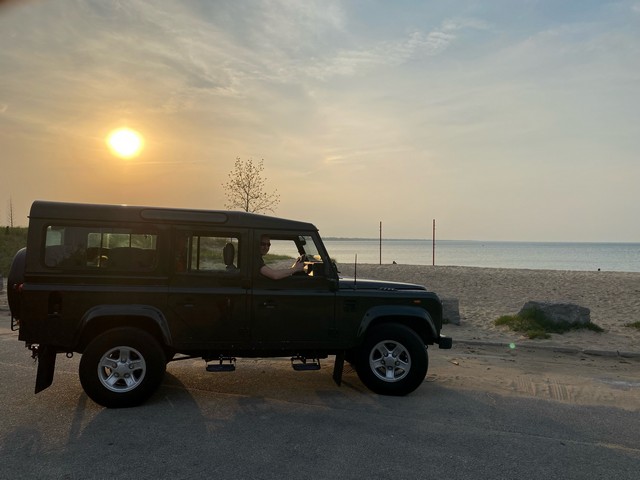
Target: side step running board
(223,367)
(300,363)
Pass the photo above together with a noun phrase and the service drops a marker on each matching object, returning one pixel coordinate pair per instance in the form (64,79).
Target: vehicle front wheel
(393,360)
(122,367)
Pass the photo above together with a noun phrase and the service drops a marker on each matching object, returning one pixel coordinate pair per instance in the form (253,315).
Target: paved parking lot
(266,421)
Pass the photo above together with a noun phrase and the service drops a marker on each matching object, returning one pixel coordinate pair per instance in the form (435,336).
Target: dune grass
(11,240)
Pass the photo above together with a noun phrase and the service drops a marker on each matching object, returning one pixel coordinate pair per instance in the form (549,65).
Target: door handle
(187,302)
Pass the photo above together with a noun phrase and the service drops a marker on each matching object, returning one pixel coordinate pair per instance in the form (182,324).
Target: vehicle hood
(349,283)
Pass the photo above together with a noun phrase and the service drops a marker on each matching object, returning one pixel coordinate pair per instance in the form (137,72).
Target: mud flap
(46,367)
(337,368)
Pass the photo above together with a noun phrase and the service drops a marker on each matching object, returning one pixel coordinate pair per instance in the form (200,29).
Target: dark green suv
(132,288)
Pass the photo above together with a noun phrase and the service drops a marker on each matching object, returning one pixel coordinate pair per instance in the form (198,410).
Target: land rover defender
(132,288)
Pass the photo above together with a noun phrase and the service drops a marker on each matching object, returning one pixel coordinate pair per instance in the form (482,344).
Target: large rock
(560,313)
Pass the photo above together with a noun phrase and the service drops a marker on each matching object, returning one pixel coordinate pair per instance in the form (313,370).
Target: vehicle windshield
(310,248)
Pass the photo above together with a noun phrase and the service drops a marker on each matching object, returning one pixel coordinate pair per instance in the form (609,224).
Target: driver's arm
(277,274)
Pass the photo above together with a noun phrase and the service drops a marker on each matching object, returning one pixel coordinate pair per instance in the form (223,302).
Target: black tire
(393,360)
(122,367)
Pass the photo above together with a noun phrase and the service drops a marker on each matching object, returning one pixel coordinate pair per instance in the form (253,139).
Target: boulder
(560,313)
(450,310)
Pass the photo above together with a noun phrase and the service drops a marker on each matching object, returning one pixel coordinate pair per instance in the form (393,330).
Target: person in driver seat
(273,273)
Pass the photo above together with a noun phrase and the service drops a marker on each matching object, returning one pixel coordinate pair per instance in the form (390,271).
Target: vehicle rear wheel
(122,367)
(392,361)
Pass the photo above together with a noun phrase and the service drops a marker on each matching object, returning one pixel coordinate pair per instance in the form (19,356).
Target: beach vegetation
(12,239)
(634,325)
(533,323)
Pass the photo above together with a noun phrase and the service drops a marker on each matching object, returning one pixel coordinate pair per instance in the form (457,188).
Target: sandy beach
(484,294)
(582,367)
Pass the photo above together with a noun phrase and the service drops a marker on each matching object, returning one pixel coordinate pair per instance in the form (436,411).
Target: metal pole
(380,242)
(433,247)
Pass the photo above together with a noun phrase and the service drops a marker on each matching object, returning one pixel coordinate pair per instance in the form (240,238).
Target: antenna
(380,243)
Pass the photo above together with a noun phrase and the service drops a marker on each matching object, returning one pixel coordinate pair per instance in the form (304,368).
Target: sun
(125,142)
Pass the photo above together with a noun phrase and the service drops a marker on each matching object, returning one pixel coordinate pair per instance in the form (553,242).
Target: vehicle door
(209,288)
(295,312)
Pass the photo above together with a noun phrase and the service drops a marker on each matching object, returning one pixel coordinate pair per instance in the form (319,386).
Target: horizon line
(377,239)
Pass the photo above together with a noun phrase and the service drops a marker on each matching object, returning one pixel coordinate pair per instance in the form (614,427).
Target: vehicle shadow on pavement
(290,425)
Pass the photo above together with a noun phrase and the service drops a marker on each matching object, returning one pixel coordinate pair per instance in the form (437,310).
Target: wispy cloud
(388,53)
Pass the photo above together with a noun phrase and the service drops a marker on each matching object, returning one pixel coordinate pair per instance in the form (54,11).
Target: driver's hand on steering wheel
(299,265)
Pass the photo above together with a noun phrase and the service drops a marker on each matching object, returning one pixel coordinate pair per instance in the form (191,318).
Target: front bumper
(445,342)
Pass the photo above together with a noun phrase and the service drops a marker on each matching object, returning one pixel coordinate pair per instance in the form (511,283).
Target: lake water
(620,257)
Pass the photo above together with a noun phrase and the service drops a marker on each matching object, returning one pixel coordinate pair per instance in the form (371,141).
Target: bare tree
(245,188)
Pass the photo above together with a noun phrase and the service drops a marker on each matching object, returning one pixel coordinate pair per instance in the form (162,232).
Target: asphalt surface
(266,421)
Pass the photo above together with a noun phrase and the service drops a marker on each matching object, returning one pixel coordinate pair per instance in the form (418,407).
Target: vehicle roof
(41,209)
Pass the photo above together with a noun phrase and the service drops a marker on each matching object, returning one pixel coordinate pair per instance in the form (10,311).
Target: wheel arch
(415,318)
(102,318)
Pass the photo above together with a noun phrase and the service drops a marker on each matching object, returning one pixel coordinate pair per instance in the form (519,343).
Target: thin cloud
(417,44)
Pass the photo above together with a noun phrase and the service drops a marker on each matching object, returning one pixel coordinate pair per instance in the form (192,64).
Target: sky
(500,119)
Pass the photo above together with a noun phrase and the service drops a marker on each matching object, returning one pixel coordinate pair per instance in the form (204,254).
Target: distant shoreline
(429,240)
(580,256)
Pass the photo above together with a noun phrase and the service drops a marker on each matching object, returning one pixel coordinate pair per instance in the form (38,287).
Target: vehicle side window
(284,250)
(209,253)
(93,248)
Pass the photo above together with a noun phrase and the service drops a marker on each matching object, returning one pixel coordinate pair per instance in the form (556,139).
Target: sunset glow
(362,112)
